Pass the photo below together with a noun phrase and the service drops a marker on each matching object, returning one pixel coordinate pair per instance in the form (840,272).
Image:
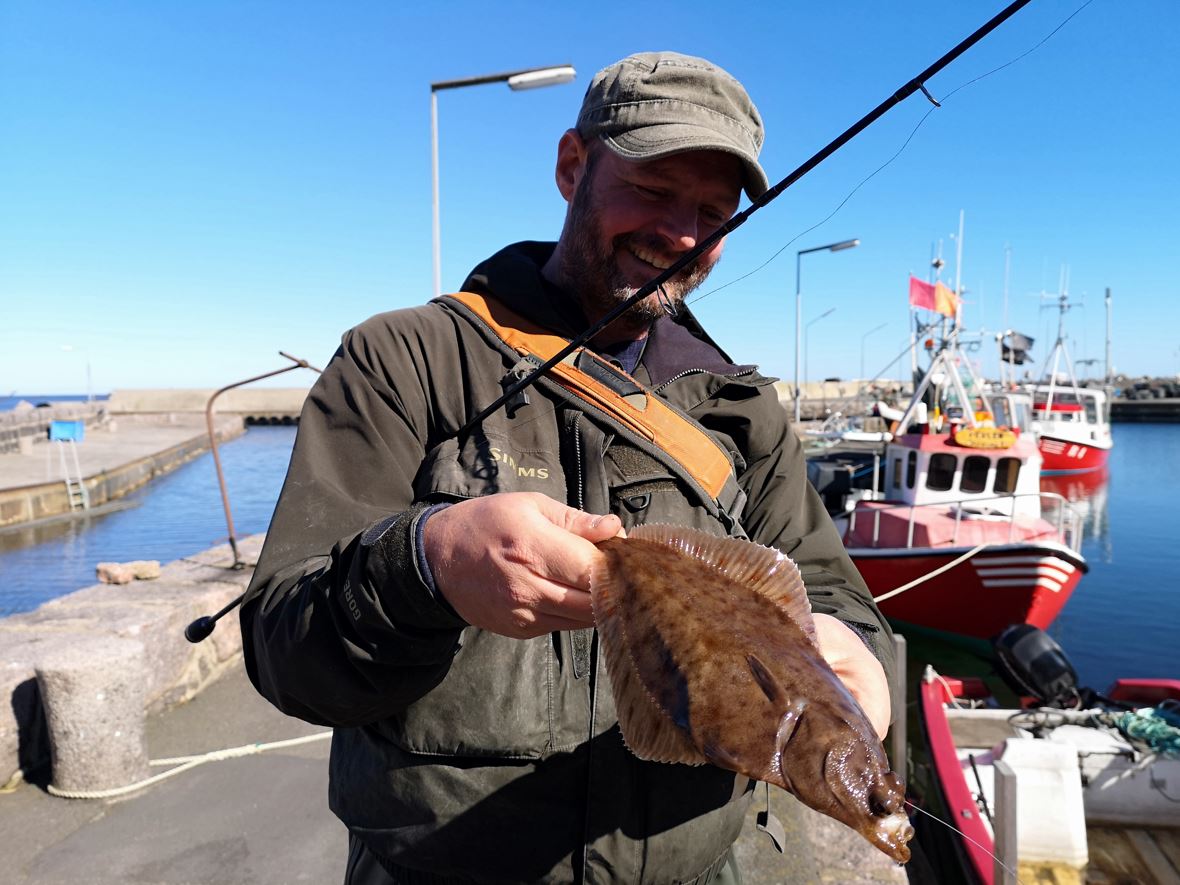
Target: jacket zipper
(688,372)
(581,498)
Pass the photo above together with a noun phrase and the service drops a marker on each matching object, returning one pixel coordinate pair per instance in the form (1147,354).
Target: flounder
(712,656)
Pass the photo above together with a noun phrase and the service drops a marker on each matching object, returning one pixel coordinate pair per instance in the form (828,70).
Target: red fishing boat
(1072,423)
(945,521)
(1072,427)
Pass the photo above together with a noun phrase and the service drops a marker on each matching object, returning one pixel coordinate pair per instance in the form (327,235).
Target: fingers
(592,527)
(857,668)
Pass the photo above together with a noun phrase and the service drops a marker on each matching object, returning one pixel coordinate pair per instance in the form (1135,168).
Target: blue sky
(186,188)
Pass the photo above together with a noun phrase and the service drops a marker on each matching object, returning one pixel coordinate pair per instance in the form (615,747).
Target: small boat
(1096,792)
(944,521)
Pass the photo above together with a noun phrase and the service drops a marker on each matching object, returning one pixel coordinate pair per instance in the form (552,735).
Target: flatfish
(712,657)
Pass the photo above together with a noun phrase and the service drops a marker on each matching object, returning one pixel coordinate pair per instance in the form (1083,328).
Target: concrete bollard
(93,693)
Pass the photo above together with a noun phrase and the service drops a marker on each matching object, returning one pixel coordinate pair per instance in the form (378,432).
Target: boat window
(1007,470)
(941,475)
(975,469)
(1091,409)
(897,472)
(1001,413)
(1023,420)
(911,470)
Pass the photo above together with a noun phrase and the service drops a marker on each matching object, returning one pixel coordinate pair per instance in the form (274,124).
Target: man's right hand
(517,563)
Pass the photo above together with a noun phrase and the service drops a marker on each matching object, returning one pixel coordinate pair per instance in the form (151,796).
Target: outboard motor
(1032,663)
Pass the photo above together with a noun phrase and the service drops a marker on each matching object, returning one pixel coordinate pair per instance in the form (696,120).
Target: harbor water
(171,517)
(1121,621)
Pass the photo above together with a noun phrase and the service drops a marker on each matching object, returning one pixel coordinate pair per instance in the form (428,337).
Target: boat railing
(1067,522)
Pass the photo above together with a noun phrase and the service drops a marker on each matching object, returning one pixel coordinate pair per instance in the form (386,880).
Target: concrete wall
(245,401)
(154,613)
(19,429)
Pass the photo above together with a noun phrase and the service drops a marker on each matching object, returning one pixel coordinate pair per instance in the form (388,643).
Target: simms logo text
(502,457)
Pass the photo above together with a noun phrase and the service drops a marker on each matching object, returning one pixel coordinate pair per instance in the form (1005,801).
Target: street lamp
(86,356)
(862,347)
(529,78)
(831,247)
(811,323)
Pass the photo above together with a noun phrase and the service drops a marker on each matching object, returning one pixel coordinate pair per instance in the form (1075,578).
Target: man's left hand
(861,673)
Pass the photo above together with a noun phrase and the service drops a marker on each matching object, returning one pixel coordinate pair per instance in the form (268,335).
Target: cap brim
(666,139)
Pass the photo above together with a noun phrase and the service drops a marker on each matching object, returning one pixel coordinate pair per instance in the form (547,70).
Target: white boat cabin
(955,469)
(1078,414)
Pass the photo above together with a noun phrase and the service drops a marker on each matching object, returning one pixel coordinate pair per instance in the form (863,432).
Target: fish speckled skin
(712,657)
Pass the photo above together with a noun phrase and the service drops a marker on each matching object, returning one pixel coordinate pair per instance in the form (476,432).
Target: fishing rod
(916,84)
(202,627)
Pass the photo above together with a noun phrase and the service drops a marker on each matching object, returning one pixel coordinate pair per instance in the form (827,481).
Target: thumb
(591,526)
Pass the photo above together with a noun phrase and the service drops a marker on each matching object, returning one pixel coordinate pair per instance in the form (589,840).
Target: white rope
(933,574)
(184,763)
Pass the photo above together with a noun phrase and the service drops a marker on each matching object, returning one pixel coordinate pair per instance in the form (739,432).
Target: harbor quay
(256,814)
(125,441)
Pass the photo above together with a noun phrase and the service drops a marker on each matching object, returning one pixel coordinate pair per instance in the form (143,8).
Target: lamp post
(831,247)
(86,356)
(862,347)
(529,78)
(811,323)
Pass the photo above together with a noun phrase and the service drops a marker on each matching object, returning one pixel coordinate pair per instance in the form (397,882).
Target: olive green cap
(655,104)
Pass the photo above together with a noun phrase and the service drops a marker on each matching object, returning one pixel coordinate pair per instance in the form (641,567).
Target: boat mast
(1108,375)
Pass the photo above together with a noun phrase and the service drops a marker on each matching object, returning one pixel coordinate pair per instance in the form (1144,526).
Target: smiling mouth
(649,257)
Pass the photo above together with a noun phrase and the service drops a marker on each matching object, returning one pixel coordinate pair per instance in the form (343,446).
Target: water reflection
(1088,495)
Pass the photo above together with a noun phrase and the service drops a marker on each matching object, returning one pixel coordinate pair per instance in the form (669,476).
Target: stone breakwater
(151,613)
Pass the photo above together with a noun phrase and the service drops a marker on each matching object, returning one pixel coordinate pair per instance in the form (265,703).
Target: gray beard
(593,276)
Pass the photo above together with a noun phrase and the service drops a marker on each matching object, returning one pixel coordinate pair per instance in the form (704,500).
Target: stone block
(125,572)
(113,573)
(93,695)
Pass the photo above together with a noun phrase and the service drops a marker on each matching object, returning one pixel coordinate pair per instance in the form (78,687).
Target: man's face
(628,221)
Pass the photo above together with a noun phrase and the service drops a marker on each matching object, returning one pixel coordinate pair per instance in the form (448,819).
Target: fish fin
(768,572)
(648,731)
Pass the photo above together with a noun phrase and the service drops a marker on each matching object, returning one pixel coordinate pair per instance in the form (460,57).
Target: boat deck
(1132,854)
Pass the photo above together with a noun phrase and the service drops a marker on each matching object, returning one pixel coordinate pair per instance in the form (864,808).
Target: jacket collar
(513,276)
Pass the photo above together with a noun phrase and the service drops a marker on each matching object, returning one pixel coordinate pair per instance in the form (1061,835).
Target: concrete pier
(117,456)
(130,438)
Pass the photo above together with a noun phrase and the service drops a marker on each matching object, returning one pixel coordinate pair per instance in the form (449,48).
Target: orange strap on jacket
(643,412)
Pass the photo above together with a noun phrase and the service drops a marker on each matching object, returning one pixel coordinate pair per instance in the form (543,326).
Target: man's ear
(571,163)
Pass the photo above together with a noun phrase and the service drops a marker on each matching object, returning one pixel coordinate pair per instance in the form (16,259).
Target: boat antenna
(916,84)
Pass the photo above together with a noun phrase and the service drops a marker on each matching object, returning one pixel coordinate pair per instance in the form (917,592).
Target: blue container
(66,430)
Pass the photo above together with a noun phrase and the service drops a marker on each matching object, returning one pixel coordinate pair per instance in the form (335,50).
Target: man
(425,590)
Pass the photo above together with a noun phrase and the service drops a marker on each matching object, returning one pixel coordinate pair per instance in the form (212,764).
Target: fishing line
(897,97)
(977,844)
(887,163)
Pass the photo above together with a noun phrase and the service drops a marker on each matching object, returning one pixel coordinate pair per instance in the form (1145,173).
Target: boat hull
(1061,456)
(975,594)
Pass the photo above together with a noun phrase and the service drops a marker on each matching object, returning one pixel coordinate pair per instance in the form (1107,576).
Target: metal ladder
(79,495)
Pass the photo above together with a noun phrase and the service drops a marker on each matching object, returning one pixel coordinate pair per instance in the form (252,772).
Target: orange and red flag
(933,296)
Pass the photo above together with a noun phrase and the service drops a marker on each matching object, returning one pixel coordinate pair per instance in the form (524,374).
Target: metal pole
(863,339)
(229,518)
(1108,378)
(897,726)
(798,328)
(1005,813)
(434,192)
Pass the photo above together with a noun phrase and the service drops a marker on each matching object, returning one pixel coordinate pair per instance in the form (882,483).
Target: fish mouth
(891,835)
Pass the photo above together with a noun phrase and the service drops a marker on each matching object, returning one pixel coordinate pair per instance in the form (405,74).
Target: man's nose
(679,227)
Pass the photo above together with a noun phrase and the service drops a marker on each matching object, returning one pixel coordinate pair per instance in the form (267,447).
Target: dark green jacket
(458,752)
